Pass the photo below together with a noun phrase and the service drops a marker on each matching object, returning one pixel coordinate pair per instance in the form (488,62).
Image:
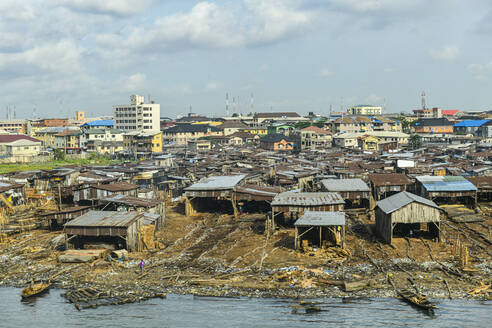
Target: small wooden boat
(35,290)
(418,300)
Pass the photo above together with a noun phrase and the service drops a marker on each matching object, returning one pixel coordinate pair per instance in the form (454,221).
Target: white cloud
(213,85)
(447,53)
(63,57)
(481,71)
(17,10)
(108,7)
(374,6)
(134,82)
(324,73)
(388,70)
(210,25)
(276,19)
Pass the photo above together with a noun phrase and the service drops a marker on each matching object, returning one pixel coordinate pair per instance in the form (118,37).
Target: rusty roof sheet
(307,198)
(118,186)
(388,179)
(482,182)
(129,200)
(66,210)
(259,190)
(104,219)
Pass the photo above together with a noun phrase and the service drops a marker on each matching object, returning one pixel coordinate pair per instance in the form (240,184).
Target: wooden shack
(129,203)
(407,215)
(55,220)
(320,229)
(215,193)
(289,206)
(446,189)
(107,229)
(353,191)
(484,187)
(387,184)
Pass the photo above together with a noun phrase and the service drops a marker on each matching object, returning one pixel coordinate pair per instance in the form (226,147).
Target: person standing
(141,265)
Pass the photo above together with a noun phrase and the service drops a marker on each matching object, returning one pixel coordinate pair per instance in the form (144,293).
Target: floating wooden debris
(35,290)
(88,297)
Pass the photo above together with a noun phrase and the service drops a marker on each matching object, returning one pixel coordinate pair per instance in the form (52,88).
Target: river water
(51,310)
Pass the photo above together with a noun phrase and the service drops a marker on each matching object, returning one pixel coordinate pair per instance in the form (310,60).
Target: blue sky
(293,55)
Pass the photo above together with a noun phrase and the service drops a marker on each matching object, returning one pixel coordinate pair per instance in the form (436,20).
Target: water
(51,310)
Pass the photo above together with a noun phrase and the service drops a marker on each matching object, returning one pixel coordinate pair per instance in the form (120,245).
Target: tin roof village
(269,203)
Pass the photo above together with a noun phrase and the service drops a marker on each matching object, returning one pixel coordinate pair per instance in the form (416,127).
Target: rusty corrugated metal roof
(307,198)
(118,186)
(104,219)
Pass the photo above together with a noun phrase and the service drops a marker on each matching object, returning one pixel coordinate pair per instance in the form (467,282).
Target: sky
(58,56)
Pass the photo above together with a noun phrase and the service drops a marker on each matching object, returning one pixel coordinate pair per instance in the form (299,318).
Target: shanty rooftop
(389,179)
(308,198)
(402,199)
(259,190)
(446,183)
(132,201)
(313,218)
(345,185)
(104,219)
(118,186)
(482,182)
(223,182)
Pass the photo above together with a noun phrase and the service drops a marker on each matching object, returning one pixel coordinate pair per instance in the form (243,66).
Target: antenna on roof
(384,106)
(331,109)
(341,105)
(227,105)
(423,100)
(252,103)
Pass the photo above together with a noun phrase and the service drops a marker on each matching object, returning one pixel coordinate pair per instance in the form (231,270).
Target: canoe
(418,300)
(34,290)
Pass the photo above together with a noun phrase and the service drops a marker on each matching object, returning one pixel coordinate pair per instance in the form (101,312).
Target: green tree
(415,141)
(405,124)
(59,155)
(321,123)
(302,125)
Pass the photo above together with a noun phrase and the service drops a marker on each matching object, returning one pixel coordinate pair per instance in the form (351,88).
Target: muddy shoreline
(217,255)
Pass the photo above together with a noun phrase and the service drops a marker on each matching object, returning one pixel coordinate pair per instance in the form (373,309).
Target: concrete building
(79,115)
(143,142)
(19,146)
(137,115)
(14,126)
(313,138)
(181,134)
(435,112)
(365,110)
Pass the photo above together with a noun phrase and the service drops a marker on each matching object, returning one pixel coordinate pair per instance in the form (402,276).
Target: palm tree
(415,141)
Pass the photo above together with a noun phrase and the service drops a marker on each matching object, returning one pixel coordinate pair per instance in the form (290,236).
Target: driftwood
(357,285)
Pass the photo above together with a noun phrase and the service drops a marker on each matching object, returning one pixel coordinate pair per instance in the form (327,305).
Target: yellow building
(144,142)
(256,131)
(369,143)
(104,147)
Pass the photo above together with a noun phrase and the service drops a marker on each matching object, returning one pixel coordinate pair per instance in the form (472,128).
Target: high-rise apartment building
(137,115)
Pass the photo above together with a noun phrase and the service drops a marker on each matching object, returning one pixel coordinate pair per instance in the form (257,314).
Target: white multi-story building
(138,115)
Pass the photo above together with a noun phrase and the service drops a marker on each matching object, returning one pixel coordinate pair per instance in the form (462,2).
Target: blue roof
(471,123)
(446,183)
(100,123)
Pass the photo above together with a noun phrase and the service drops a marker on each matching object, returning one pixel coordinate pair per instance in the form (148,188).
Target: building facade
(137,115)
(365,110)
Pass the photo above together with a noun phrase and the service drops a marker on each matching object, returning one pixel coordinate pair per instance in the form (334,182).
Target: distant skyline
(59,56)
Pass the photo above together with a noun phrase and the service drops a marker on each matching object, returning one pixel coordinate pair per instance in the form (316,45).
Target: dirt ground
(213,254)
